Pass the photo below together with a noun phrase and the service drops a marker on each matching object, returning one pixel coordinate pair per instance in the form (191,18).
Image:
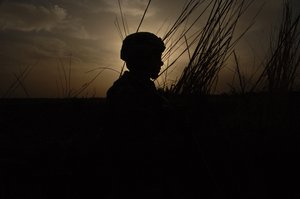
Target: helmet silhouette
(140,45)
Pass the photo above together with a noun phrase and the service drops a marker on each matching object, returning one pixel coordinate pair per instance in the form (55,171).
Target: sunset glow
(61,47)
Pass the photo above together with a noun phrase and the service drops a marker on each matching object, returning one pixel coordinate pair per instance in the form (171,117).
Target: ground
(246,147)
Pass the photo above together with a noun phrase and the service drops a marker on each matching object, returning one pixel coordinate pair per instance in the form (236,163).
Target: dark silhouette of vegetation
(19,82)
(64,74)
(202,145)
(283,61)
(214,46)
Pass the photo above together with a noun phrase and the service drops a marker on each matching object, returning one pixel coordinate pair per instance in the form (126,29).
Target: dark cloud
(29,17)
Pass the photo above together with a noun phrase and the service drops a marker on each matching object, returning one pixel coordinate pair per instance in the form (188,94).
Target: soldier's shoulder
(122,86)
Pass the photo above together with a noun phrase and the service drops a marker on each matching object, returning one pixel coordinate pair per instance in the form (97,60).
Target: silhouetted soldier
(138,114)
(146,133)
(133,99)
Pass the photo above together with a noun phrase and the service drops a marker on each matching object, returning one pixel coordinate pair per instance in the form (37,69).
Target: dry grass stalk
(280,68)
(241,78)
(215,45)
(64,74)
(19,82)
(178,41)
(86,85)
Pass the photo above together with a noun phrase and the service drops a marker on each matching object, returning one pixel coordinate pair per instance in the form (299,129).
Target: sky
(56,48)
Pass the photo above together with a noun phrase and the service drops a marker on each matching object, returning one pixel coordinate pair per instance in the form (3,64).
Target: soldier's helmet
(140,45)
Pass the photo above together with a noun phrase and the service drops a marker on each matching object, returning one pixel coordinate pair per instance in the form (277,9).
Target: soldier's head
(142,53)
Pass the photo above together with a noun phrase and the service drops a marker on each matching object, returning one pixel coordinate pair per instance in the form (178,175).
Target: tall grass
(241,83)
(175,40)
(64,75)
(19,81)
(281,65)
(215,43)
(86,85)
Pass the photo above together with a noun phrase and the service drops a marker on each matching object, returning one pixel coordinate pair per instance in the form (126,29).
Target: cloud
(129,7)
(51,18)
(31,47)
(28,17)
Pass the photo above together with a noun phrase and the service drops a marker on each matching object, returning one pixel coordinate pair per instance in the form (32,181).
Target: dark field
(247,147)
